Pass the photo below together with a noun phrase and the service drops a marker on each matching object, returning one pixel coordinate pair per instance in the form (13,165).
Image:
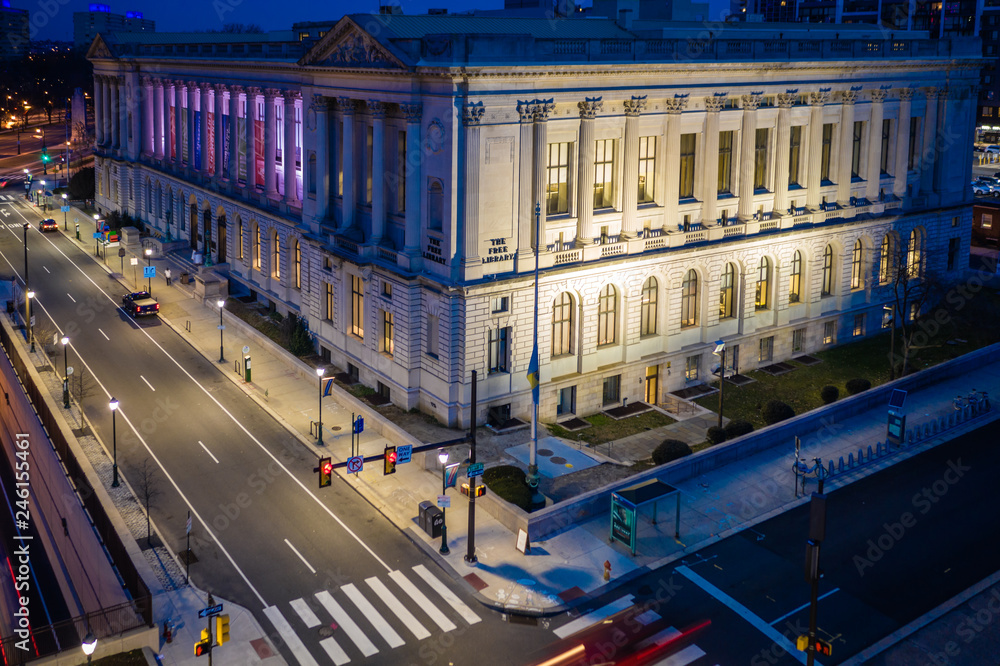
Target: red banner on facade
(211,143)
(258,149)
(172,149)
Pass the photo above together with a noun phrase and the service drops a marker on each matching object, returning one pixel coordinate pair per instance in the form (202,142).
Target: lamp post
(149,283)
(64,197)
(25,227)
(89,645)
(31,336)
(222,357)
(443,459)
(41,194)
(114,442)
(891,313)
(65,344)
(720,351)
(319,374)
(470,554)
(97,240)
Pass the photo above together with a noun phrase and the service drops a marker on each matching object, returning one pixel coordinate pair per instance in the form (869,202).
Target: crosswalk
(370,618)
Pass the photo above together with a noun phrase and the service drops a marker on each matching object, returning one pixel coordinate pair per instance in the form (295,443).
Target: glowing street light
(319,374)
(114,442)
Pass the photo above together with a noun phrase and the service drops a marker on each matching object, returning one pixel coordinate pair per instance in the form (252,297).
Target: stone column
(288,154)
(816,101)
(205,105)
(585,170)
(270,143)
(377,110)
(115,113)
(180,118)
(414,179)
(134,115)
(630,178)
(158,117)
(233,158)
(319,106)
(671,192)
(192,97)
(873,172)
(902,143)
(99,109)
(928,145)
(542,110)
(847,99)
(710,178)
(219,141)
(108,108)
(251,156)
(949,115)
(782,152)
(148,125)
(472,265)
(346,106)
(123,142)
(168,96)
(525,206)
(748,146)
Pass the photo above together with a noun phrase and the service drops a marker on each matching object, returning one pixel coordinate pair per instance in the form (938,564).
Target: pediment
(347,45)
(99,50)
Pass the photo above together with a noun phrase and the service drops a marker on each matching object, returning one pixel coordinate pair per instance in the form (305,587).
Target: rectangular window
(914,128)
(612,390)
(387,290)
(886,133)
(498,304)
(766,352)
(859,128)
(647,169)
(557,184)
(824,164)
(340,158)
(328,293)
(794,152)
(986,221)
(725,161)
(686,176)
(369,153)
(388,333)
(567,401)
(760,160)
(498,339)
(953,245)
(859,325)
(401,172)
(432,335)
(798,339)
(604,163)
(691,367)
(829,332)
(357,306)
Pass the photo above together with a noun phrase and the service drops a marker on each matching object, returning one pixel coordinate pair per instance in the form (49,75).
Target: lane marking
(745,613)
(682,658)
(295,550)
(450,597)
(422,601)
(334,651)
(306,613)
(208,452)
(346,623)
(405,616)
(802,607)
(105,335)
(594,616)
(374,617)
(46,269)
(71,297)
(291,639)
(147,383)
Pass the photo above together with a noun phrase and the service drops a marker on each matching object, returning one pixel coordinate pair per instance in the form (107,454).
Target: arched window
(726,292)
(827,271)
(761,301)
(607,316)
(795,281)
(856,280)
(915,254)
(239,238)
(689,299)
(275,255)
(648,314)
(159,201)
(435,206)
(885,261)
(255,250)
(297,264)
(312,173)
(562,325)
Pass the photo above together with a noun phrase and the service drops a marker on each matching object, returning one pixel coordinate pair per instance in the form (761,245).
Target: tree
(913,285)
(147,488)
(81,185)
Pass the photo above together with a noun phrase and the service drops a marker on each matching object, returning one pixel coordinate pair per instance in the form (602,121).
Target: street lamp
(443,459)
(27,308)
(89,645)
(65,344)
(319,373)
(720,351)
(149,283)
(41,194)
(890,311)
(114,442)
(64,197)
(222,304)
(97,240)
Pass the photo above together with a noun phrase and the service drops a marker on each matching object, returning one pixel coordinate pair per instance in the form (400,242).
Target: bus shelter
(626,503)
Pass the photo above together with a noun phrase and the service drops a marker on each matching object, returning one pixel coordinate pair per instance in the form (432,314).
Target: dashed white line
(71,298)
(208,452)
(47,269)
(295,550)
(147,383)
(104,334)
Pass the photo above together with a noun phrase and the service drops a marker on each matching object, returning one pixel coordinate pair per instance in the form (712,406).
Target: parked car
(981,188)
(140,303)
(993,149)
(48,225)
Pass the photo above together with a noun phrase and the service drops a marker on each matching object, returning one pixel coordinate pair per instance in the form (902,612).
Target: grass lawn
(606,429)
(131,658)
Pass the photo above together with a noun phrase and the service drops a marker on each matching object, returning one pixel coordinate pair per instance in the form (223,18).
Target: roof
(416,27)
(199,37)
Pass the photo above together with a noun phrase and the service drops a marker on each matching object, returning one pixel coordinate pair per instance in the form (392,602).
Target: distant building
(646,10)
(87,25)
(14,31)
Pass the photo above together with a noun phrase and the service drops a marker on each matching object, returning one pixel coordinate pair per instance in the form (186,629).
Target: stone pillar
(98,109)
(525,206)
(816,101)
(472,265)
(192,97)
(949,103)
(251,157)
(671,192)
(377,110)
(320,107)
(148,126)
(168,96)
(414,180)
(630,178)
(205,104)
(710,177)
(542,110)
(782,152)
(288,154)
(115,113)
(158,118)
(180,118)
(902,143)
(873,172)
(107,120)
(585,170)
(844,176)
(270,143)
(233,159)
(219,141)
(135,93)
(748,146)
(928,145)
(346,106)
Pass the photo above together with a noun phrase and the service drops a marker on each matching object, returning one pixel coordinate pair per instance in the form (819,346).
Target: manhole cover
(544,452)
(335,428)
(556,460)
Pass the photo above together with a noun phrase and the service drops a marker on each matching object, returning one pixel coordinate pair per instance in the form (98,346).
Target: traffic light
(203,646)
(390,460)
(221,629)
(820,646)
(45,161)
(325,472)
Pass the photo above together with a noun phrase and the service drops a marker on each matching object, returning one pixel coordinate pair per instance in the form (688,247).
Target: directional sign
(404,453)
(149,271)
(444,501)
(211,610)
(65,209)
(246,349)
(475,469)
(359,425)
(97,235)
(354,464)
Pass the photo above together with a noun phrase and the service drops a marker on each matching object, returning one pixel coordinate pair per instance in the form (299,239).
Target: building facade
(14,31)
(388,183)
(100,21)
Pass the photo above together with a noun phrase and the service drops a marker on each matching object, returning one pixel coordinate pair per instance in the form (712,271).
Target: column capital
(878,96)
(253,91)
(543,107)
(526,110)
(146,80)
(634,106)
(271,94)
(219,88)
(319,104)
(933,92)
(589,107)
(819,98)
(676,104)
(412,112)
(905,94)
(787,100)
(848,96)
(472,113)
(751,102)
(346,105)
(376,108)
(714,104)
(193,85)
(291,95)
(236,90)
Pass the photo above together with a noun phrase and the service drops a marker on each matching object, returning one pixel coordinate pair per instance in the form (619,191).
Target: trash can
(430,519)
(422,515)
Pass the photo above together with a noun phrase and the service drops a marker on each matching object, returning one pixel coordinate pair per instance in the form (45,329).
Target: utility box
(431,519)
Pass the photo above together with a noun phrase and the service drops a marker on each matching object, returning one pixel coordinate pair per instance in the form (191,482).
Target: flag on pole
(328,387)
(533,372)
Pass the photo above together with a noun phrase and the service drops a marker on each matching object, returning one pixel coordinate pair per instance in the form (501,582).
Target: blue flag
(533,372)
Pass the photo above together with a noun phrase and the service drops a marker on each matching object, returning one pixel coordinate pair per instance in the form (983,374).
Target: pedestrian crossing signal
(390,460)
(203,646)
(325,472)
(221,629)
(820,646)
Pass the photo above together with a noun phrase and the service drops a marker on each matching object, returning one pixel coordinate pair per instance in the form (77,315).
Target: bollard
(841,463)
(607,570)
(878,449)
(869,453)
(829,470)
(850,460)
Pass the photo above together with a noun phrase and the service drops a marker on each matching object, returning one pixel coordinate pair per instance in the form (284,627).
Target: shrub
(856,386)
(737,428)
(299,341)
(509,483)
(716,435)
(669,450)
(829,394)
(81,185)
(776,411)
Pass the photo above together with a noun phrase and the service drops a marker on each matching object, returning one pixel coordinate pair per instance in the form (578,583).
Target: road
(264,536)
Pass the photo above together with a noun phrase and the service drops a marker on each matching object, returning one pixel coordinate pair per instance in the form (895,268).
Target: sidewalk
(567,566)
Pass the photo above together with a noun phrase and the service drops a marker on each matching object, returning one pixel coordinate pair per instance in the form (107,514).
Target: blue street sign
(359,425)
(354,464)
(211,610)
(65,209)
(149,271)
(97,235)
(327,387)
(404,453)
(475,469)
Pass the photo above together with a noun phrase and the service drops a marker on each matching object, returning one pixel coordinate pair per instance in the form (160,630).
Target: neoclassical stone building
(384,180)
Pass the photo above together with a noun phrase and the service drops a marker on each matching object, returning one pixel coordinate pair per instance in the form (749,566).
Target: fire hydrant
(607,570)
(168,635)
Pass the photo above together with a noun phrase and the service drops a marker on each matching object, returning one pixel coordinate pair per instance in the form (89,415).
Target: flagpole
(533,448)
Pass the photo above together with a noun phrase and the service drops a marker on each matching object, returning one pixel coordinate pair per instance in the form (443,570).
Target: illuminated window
(725,161)
(761,301)
(604,162)
(562,325)
(297,265)
(795,281)
(357,306)
(686,171)
(915,254)
(647,168)
(726,292)
(607,315)
(827,271)
(275,255)
(388,333)
(886,259)
(794,152)
(328,292)
(824,168)
(856,277)
(692,365)
(557,183)
(648,307)
(760,160)
(689,299)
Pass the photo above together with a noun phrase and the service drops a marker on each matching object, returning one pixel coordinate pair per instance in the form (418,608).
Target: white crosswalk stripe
(350,628)
(373,616)
(590,618)
(425,604)
(291,639)
(306,613)
(450,597)
(334,651)
(682,658)
(405,616)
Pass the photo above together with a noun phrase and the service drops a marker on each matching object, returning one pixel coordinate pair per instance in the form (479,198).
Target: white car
(991,149)
(979,187)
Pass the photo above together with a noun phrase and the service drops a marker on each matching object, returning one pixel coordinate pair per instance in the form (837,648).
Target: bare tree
(913,285)
(84,385)
(147,487)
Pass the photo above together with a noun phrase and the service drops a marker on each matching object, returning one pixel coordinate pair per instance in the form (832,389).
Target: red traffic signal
(390,460)
(325,472)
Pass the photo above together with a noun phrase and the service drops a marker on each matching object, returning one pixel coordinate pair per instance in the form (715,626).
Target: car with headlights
(140,303)
(48,225)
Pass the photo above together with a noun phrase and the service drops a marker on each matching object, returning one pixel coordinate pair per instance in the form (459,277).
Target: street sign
(444,501)
(65,209)
(121,252)
(404,452)
(97,235)
(149,271)
(246,349)
(211,610)
(359,425)
(354,464)
(475,469)
(134,261)
(69,371)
